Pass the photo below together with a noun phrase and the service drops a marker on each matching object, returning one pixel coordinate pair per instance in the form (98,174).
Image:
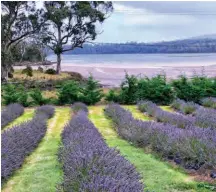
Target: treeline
(132,89)
(180,46)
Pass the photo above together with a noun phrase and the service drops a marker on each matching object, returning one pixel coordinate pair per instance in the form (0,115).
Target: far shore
(112,76)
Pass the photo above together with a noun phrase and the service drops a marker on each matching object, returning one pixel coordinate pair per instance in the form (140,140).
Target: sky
(158,21)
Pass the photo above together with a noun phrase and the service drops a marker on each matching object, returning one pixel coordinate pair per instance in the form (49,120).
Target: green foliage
(133,89)
(112,96)
(13,94)
(155,89)
(18,21)
(194,89)
(50,71)
(91,93)
(128,93)
(28,71)
(85,16)
(68,93)
(37,97)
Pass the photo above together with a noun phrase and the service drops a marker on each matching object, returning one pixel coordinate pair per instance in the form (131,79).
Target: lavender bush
(19,141)
(152,109)
(209,102)
(79,106)
(10,113)
(89,164)
(185,107)
(192,147)
(205,118)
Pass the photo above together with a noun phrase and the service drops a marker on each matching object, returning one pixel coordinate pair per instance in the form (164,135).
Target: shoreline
(113,76)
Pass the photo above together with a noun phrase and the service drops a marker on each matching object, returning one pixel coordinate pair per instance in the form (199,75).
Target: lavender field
(110,148)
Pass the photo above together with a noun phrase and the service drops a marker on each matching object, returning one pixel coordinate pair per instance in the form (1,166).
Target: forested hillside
(203,45)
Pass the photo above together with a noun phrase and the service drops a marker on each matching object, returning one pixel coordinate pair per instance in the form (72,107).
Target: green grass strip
(41,171)
(26,116)
(158,176)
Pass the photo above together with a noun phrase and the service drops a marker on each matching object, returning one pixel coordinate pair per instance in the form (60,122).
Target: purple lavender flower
(193,147)
(10,113)
(19,141)
(89,164)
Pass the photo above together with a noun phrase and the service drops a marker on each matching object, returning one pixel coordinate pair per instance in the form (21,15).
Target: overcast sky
(158,21)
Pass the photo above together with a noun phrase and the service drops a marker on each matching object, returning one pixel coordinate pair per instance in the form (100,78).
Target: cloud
(143,16)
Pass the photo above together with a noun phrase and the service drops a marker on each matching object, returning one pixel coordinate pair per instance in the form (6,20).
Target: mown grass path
(26,116)
(158,176)
(41,170)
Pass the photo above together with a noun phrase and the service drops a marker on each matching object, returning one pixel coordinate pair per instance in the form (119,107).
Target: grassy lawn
(158,176)
(41,170)
(37,75)
(167,108)
(27,115)
(136,113)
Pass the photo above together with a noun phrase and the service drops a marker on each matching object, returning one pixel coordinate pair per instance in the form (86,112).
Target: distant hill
(210,36)
(201,44)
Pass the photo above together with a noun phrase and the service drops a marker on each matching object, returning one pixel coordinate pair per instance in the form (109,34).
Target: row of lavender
(10,113)
(203,117)
(19,141)
(191,147)
(209,102)
(88,163)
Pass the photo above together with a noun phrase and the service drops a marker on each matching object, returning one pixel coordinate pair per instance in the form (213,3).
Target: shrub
(209,102)
(37,97)
(91,92)
(50,71)
(112,96)
(128,90)
(93,166)
(194,89)
(10,113)
(69,93)
(78,106)
(19,141)
(156,90)
(192,147)
(13,94)
(28,71)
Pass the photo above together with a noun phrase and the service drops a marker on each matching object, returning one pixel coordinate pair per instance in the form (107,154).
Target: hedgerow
(191,147)
(10,113)
(19,141)
(89,164)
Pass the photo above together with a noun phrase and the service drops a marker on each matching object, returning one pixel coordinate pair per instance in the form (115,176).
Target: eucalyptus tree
(71,24)
(19,20)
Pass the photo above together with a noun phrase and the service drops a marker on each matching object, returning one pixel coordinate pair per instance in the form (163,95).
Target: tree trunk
(58,67)
(4,73)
